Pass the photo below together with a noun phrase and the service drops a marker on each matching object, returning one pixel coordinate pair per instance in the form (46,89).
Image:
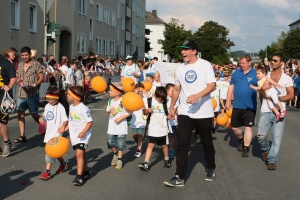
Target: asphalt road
(237,177)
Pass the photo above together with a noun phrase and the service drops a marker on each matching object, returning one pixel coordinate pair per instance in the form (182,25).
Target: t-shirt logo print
(129,72)
(185,42)
(249,79)
(190,76)
(49,115)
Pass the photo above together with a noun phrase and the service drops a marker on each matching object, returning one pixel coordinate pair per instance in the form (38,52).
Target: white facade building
(295,25)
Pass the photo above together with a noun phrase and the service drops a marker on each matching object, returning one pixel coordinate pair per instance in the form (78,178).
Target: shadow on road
(33,142)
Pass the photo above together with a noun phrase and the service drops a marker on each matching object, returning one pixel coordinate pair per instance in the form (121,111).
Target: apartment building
(113,28)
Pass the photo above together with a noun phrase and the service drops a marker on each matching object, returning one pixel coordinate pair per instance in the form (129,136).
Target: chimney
(154,13)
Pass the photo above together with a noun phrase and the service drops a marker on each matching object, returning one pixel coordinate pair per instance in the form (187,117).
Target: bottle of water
(42,127)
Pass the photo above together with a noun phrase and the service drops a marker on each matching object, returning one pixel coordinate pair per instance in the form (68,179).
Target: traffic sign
(48,5)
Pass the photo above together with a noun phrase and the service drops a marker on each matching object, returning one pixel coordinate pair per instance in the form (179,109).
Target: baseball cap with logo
(189,44)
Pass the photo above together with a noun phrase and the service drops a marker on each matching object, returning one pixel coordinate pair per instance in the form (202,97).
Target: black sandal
(21,139)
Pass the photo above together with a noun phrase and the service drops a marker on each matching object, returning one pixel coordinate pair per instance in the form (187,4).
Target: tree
(213,40)
(174,35)
(291,45)
(147,45)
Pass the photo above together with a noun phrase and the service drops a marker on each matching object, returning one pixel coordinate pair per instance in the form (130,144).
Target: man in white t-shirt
(194,81)
(130,70)
(267,118)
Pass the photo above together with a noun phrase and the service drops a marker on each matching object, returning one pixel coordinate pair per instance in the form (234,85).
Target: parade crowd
(172,111)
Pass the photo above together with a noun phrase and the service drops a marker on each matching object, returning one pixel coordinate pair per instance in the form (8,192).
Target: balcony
(128,12)
(128,36)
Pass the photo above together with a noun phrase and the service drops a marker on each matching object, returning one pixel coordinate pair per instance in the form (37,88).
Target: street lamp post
(250,47)
(255,35)
(275,26)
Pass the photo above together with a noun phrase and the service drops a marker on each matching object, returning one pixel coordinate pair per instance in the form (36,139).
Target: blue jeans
(267,121)
(32,104)
(118,141)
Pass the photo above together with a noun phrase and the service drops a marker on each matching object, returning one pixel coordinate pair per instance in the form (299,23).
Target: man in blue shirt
(244,106)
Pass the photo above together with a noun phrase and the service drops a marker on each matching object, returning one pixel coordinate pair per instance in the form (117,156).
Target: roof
(298,21)
(152,19)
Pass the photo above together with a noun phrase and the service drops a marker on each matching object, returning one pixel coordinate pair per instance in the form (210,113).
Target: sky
(242,17)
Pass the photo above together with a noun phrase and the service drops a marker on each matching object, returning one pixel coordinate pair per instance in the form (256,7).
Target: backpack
(149,100)
(128,119)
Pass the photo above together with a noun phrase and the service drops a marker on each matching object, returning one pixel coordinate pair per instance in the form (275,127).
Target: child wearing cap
(80,123)
(57,120)
(117,124)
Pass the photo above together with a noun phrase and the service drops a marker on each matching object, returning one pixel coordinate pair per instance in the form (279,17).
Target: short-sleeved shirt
(55,117)
(7,71)
(193,79)
(113,128)
(70,73)
(296,81)
(128,70)
(285,81)
(244,96)
(29,78)
(79,116)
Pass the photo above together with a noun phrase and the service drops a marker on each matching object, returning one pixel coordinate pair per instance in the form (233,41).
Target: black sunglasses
(273,60)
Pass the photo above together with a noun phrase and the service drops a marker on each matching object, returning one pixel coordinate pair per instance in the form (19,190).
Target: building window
(137,10)
(123,2)
(118,12)
(133,6)
(32,17)
(137,31)
(143,13)
(133,29)
(127,49)
(92,2)
(122,24)
(82,7)
(99,8)
(113,19)
(122,49)
(105,47)
(81,43)
(118,36)
(112,47)
(14,14)
(98,45)
(91,29)
(106,14)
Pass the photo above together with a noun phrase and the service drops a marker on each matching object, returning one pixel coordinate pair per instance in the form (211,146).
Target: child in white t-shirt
(215,94)
(80,123)
(223,92)
(57,120)
(157,81)
(138,122)
(159,127)
(117,124)
(150,78)
(173,123)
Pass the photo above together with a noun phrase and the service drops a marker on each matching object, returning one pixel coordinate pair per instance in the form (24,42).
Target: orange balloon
(229,112)
(128,84)
(222,119)
(98,84)
(147,85)
(214,103)
(57,147)
(228,125)
(132,101)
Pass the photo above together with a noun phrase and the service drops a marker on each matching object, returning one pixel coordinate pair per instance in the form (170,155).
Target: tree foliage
(291,44)
(147,45)
(174,34)
(212,41)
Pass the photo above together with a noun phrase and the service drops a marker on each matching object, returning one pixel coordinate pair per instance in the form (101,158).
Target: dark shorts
(80,146)
(296,92)
(4,118)
(216,114)
(158,140)
(242,117)
(174,131)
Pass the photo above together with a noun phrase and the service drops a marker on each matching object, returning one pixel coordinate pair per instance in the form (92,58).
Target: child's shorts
(80,146)
(118,141)
(158,140)
(216,114)
(48,159)
(174,130)
(138,130)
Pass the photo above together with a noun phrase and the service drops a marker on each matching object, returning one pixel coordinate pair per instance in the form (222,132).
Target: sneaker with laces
(240,145)
(114,160)
(245,152)
(167,164)
(45,176)
(210,175)
(78,181)
(137,154)
(86,175)
(6,149)
(171,154)
(62,168)
(119,164)
(175,182)
(144,166)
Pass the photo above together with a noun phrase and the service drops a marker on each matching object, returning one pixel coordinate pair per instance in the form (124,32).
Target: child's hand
(251,86)
(41,119)
(113,111)
(81,135)
(61,130)
(117,120)
(150,110)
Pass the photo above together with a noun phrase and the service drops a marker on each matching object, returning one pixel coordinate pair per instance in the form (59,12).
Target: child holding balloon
(80,123)
(117,124)
(57,120)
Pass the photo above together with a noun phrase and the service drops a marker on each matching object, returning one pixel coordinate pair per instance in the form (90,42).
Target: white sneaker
(114,160)
(119,164)
(137,154)
(6,149)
